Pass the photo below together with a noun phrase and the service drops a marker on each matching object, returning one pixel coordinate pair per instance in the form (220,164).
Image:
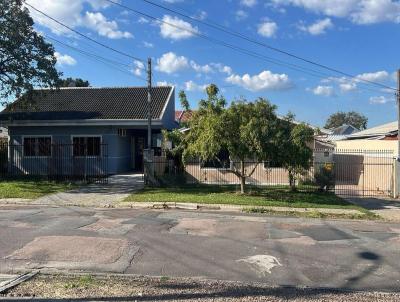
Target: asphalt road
(216,245)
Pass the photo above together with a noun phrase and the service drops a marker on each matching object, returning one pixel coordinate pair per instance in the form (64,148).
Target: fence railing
(58,162)
(352,172)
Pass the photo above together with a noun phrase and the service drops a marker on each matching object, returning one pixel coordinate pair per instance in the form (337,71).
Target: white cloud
(192,86)
(241,15)
(267,29)
(373,76)
(351,84)
(323,91)
(63,60)
(380,100)
(248,3)
(143,20)
(148,44)
(71,14)
(164,83)
(170,63)
(222,68)
(176,29)
(348,87)
(357,11)
(266,80)
(201,15)
(138,68)
(109,29)
(319,27)
(201,68)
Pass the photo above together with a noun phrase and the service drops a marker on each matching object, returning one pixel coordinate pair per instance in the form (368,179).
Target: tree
(353,118)
(245,130)
(77,82)
(26,59)
(295,151)
(184,101)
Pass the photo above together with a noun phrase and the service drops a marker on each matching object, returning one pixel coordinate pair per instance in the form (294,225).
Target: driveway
(388,208)
(98,195)
(216,245)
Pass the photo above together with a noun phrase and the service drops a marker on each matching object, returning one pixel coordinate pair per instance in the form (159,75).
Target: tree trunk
(292,182)
(242,178)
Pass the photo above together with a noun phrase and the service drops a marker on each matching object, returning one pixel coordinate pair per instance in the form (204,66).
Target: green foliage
(295,152)
(350,118)
(77,82)
(26,59)
(325,178)
(184,101)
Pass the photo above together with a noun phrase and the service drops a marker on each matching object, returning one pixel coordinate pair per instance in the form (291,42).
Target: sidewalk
(389,209)
(94,195)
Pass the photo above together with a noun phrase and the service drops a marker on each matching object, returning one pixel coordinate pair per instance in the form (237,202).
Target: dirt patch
(166,289)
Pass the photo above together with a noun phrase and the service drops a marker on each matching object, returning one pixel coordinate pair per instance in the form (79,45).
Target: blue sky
(355,36)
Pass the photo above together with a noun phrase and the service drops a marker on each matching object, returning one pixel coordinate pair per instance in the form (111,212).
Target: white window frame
(36,136)
(86,135)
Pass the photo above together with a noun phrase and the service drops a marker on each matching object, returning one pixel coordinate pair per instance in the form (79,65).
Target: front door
(139,143)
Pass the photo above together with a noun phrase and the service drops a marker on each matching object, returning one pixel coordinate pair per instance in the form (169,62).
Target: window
(86,146)
(121,132)
(37,146)
(221,161)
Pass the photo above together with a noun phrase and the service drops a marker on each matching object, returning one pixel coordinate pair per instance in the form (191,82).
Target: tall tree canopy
(350,118)
(77,82)
(26,59)
(184,101)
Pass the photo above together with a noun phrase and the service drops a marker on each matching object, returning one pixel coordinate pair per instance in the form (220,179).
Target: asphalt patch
(326,233)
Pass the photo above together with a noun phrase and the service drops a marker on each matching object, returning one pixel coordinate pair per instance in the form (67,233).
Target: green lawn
(30,189)
(279,196)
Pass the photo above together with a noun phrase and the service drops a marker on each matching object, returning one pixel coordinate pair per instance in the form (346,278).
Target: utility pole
(396,188)
(149,104)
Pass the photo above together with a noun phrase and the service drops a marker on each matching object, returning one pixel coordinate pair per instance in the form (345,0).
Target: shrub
(325,178)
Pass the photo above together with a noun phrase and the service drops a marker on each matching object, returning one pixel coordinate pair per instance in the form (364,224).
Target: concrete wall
(365,144)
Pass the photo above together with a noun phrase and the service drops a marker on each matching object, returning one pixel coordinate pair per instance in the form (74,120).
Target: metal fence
(344,172)
(55,162)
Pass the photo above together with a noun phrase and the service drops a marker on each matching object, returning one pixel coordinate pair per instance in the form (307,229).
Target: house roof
(123,103)
(378,131)
(344,130)
(183,116)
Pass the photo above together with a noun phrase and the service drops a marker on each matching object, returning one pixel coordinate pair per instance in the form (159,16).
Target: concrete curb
(228,207)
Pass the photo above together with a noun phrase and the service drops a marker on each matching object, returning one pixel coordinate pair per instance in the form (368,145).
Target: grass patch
(31,189)
(363,215)
(271,196)
(81,282)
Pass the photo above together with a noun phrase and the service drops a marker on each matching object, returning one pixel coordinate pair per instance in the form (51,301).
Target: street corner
(75,253)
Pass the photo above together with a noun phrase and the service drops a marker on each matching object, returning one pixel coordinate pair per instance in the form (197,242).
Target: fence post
(396,178)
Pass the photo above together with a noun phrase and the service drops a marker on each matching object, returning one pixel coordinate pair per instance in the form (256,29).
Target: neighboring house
(182,117)
(336,134)
(382,137)
(92,118)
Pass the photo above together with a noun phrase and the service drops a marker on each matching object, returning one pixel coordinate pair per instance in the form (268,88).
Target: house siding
(118,150)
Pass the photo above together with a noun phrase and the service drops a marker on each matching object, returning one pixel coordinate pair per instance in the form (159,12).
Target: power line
(83,35)
(231,46)
(237,34)
(109,63)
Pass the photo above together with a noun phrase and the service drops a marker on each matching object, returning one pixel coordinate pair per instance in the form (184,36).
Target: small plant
(325,178)
(164,279)
(82,281)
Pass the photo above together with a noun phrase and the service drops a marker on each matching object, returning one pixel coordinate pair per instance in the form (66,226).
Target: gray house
(87,119)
